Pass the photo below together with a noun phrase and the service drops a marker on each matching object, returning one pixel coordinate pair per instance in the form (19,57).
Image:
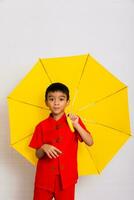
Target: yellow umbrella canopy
(98,97)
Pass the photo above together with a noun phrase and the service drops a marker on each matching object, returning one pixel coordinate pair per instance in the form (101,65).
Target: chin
(57,113)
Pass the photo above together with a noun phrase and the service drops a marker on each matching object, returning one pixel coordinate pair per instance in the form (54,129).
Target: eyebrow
(59,96)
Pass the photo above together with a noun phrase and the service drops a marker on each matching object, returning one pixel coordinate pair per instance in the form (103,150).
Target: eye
(61,99)
(51,99)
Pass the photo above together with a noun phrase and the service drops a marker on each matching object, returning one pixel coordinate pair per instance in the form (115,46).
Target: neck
(57,116)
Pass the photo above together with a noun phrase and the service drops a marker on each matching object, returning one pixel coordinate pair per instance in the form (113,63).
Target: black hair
(57,87)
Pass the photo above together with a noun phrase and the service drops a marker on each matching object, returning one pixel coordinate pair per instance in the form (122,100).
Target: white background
(30,29)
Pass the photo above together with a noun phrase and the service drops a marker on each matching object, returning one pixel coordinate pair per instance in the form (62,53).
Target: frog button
(62,167)
(57,127)
(56,140)
(61,137)
(53,167)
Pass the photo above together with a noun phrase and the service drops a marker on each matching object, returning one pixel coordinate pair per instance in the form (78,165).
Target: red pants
(57,193)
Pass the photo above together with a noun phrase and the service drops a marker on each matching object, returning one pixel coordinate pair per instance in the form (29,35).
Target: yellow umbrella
(98,97)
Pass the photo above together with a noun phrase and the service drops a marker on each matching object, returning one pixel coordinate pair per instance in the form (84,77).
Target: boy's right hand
(51,151)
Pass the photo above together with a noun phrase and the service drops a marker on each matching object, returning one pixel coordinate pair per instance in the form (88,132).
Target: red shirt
(58,134)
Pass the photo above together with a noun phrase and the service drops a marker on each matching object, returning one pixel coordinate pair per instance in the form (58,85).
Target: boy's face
(57,102)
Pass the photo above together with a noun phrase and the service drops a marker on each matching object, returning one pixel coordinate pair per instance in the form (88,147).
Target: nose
(56,102)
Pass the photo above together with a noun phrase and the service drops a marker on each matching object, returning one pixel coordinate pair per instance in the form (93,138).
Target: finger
(53,154)
(72,116)
(69,114)
(49,155)
(57,150)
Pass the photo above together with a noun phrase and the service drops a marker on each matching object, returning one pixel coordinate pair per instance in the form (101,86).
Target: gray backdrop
(48,28)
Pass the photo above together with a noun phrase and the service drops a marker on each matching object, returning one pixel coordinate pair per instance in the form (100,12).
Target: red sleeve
(83,126)
(37,139)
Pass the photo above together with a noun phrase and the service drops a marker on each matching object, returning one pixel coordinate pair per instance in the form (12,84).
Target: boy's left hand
(74,119)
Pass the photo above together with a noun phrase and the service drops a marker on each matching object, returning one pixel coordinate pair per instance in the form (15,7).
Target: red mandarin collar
(59,121)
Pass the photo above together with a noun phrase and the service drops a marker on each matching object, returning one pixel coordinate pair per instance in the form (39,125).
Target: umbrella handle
(70,124)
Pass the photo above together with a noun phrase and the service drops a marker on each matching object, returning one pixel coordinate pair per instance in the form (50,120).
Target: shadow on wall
(16,173)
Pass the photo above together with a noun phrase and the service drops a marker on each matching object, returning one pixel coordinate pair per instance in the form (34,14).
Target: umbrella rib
(83,70)
(104,125)
(113,129)
(93,160)
(21,139)
(27,103)
(76,89)
(45,70)
(99,100)
(111,94)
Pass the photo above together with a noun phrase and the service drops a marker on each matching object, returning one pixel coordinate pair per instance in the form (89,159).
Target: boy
(56,148)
